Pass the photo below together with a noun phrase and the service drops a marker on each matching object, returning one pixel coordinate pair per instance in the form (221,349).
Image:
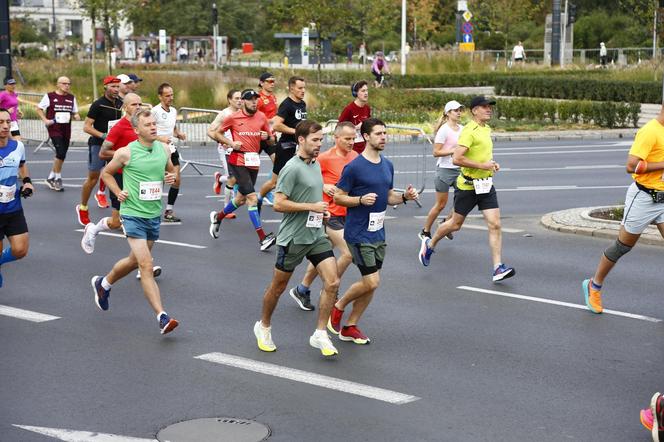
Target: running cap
(249,94)
(10,81)
(135,78)
(452,105)
(124,78)
(110,79)
(265,76)
(481,100)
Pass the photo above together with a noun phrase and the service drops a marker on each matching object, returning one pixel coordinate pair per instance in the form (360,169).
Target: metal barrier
(31,126)
(198,150)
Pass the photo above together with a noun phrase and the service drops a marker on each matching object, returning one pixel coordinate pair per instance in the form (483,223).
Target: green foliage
(614,29)
(24,30)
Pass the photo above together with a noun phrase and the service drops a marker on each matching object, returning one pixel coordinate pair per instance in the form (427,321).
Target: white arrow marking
(81,436)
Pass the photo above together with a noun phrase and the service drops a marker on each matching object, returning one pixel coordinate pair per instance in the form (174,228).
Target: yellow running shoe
(264,337)
(593,297)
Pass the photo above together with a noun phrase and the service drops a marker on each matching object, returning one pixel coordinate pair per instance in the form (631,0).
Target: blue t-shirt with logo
(11,157)
(358,178)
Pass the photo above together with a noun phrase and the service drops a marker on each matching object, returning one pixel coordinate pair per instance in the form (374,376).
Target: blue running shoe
(269,198)
(101,295)
(503,272)
(425,252)
(167,324)
(0,279)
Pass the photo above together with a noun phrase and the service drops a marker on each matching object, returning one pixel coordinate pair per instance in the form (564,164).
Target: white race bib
(376,220)
(13,126)
(251,159)
(111,124)
(7,193)
(171,147)
(483,186)
(63,117)
(315,220)
(150,190)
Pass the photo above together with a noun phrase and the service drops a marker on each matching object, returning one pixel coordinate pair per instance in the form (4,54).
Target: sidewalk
(579,222)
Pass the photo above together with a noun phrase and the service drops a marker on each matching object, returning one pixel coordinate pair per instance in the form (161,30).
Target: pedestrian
(644,204)
(447,132)
(145,165)
(518,53)
(379,68)
(56,109)
(602,54)
(363,54)
(332,163)
(183,52)
(12,169)
(366,189)
(102,115)
(474,187)
(9,101)
(349,53)
(168,133)
(357,111)
(299,197)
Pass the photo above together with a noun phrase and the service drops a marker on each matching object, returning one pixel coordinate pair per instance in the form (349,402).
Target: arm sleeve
(113,134)
(93,111)
(45,103)
(441,135)
(226,124)
(465,138)
(643,143)
(345,114)
(283,110)
(346,181)
(286,181)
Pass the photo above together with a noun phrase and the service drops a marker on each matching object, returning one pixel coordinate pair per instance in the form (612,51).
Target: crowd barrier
(33,131)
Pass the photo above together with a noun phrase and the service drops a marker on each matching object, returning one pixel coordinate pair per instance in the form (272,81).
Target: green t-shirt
(143,179)
(301,183)
(480,148)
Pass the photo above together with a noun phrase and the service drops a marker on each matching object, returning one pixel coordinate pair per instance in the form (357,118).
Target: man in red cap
(103,114)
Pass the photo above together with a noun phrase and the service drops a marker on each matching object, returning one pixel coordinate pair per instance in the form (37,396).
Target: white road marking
(541,188)
(306,377)
(476,227)
(26,315)
(159,241)
(566,146)
(51,162)
(41,183)
(560,303)
(541,169)
(81,436)
(558,152)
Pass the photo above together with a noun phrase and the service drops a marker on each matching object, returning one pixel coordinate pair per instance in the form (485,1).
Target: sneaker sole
(355,340)
(292,294)
(262,347)
(264,247)
(324,350)
(655,421)
(505,275)
(85,233)
(586,295)
(331,329)
(94,289)
(423,249)
(49,185)
(172,325)
(214,233)
(643,420)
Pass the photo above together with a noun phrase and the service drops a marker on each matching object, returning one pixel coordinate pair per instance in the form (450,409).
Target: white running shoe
(264,337)
(88,240)
(322,342)
(156,271)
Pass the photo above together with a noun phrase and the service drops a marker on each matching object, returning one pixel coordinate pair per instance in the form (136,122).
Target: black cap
(135,78)
(481,100)
(10,81)
(248,94)
(264,76)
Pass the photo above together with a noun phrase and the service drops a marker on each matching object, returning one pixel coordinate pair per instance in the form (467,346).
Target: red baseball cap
(111,79)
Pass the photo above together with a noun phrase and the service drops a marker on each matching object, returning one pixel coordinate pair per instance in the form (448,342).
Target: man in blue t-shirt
(365,187)
(12,221)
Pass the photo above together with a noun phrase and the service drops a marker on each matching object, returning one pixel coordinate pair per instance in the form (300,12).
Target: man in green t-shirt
(299,196)
(474,153)
(143,163)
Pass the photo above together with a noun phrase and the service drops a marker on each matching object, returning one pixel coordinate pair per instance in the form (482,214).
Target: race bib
(171,147)
(358,137)
(150,190)
(315,220)
(483,186)
(13,126)
(251,159)
(376,221)
(7,193)
(62,117)
(111,124)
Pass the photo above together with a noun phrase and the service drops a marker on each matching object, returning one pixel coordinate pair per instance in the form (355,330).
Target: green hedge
(579,88)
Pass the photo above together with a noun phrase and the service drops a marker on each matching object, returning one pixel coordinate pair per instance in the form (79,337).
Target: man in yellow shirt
(644,204)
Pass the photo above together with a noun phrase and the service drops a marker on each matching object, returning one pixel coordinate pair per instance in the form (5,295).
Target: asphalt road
(475,365)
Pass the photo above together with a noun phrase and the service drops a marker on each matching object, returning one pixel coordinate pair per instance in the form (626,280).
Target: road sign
(467,28)
(467,38)
(467,15)
(466,47)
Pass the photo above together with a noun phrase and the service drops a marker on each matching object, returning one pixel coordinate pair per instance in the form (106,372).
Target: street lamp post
(215,33)
(54,31)
(403,37)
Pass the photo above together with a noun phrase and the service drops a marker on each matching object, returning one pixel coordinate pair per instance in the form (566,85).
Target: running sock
(169,206)
(102,186)
(230,208)
(51,175)
(7,256)
(496,266)
(105,284)
(58,176)
(256,221)
(302,288)
(83,208)
(159,315)
(101,226)
(228,193)
(172,195)
(595,286)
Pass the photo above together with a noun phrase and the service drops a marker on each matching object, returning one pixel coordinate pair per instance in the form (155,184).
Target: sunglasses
(270,81)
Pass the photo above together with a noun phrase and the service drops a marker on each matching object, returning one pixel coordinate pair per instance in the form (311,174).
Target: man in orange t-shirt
(644,204)
(248,127)
(332,163)
(267,103)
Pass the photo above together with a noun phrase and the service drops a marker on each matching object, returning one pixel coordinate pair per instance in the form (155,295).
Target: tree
(109,13)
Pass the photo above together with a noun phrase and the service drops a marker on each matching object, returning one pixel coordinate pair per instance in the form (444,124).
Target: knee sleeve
(615,251)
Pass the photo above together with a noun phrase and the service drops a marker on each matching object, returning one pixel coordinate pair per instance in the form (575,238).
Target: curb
(576,221)
(607,134)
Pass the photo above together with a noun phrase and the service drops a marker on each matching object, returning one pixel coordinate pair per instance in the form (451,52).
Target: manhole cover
(215,429)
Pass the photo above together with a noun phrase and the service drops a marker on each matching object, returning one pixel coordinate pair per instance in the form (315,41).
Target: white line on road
(541,169)
(558,152)
(160,241)
(568,146)
(26,315)
(81,436)
(307,377)
(541,188)
(560,303)
(476,227)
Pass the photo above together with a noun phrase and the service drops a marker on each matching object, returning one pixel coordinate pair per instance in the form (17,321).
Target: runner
(225,179)
(12,220)
(291,111)
(644,204)
(126,85)
(9,101)
(357,111)
(365,187)
(168,133)
(331,163)
(379,68)
(102,115)
(135,80)
(447,134)
(143,162)
(267,103)
(474,153)
(298,196)
(247,127)
(56,110)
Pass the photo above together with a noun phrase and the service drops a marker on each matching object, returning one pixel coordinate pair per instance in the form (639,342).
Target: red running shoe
(334,323)
(354,334)
(102,202)
(83,216)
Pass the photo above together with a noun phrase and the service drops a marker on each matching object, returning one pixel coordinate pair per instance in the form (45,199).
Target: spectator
(602,54)
(518,53)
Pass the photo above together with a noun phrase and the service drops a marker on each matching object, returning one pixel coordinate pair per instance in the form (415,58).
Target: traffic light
(571,13)
(215,14)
